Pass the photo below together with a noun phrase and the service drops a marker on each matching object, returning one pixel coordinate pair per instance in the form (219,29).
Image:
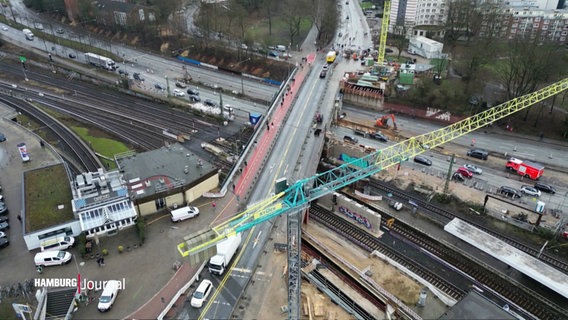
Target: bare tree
(527,66)
(293,14)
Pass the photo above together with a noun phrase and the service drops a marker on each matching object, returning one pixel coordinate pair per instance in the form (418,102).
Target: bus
(330,58)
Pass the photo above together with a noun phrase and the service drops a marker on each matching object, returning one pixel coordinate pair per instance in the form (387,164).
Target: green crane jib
(303,191)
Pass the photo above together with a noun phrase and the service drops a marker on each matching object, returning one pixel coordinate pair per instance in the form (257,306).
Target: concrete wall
(175,199)
(147,208)
(205,186)
(33,241)
(353,212)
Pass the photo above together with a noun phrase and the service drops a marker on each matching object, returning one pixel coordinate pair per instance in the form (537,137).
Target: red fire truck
(525,168)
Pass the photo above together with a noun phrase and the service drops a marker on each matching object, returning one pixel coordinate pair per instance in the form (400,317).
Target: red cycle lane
(261,148)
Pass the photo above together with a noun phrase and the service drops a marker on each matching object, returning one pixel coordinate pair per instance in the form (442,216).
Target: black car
(458,177)
(389,50)
(72,56)
(510,192)
(350,139)
(137,76)
(194,92)
(323,73)
(478,153)
(4,242)
(378,136)
(210,103)
(159,86)
(4,226)
(423,160)
(194,98)
(545,188)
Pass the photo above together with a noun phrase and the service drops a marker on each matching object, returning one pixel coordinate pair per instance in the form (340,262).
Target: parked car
(194,98)
(180,84)
(4,242)
(423,160)
(201,293)
(350,139)
(3,208)
(159,86)
(378,136)
(194,92)
(389,50)
(178,93)
(273,54)
(464,172)
(110,292)
(473,168)
(530,190)
(122,72)
(4,219)
(545,187)
(137,76)
(72,56)
(478,153)
(210,103)
(59,30)
(2,137)
(3,235)
(4,226)
(510,192)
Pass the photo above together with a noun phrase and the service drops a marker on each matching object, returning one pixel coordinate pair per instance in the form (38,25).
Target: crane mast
(384,32)
(298,195)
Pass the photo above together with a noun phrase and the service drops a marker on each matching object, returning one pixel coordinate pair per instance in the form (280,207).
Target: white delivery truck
(100,61)
(226,249)
(28,33)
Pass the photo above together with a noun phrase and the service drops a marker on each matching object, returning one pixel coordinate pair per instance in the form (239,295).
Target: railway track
(80,157)
(448,216)
(528,299)
(330,265)
(370,243)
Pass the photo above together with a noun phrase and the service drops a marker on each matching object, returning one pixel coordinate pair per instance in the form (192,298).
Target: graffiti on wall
(357,217)
(438,114)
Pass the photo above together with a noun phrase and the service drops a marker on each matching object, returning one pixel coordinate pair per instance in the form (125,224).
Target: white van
(109,295)
(59,243)
(186,212)
(281,48)
(52,258)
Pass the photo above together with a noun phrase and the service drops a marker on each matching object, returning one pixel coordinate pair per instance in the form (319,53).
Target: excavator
(383,122)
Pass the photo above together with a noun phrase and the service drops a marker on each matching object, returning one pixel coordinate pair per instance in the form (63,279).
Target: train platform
(527,264)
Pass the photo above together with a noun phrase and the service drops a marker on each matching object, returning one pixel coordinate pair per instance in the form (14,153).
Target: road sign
(23,59)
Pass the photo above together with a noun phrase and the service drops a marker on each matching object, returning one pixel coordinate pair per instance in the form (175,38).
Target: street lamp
(242,81)
(167,85)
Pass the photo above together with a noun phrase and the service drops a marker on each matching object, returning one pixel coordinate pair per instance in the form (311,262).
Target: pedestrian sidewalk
(153,308)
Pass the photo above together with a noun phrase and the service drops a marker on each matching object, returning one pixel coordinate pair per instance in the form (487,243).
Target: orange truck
(526,169)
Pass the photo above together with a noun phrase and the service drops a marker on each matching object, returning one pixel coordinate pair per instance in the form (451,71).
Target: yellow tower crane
(384,33)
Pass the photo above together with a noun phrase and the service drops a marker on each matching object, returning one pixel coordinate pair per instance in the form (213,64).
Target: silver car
(473,168)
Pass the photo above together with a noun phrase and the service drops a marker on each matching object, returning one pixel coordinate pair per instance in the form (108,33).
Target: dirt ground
(387,276)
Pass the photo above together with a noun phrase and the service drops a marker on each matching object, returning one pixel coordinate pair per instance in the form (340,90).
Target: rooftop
(47,198)
(475,306)
(161,169)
